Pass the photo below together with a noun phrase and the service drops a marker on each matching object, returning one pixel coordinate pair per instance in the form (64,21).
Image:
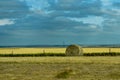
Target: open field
(67,68)
(31,50)
(59,68)
(53,50)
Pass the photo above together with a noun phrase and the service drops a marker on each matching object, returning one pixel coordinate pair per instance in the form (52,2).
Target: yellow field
(47,68)
(31,50)
(100,50)
(52,50)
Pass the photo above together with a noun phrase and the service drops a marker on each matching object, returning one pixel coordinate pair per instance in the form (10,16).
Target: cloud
(55,14)
(71,8)
(13,9)
(60,24)
(49,21)
(4,22)
(116,4)
(90,19)
(111,25)
(112,18)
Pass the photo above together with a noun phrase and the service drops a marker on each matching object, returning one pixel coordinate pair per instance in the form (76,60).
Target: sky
(52,22)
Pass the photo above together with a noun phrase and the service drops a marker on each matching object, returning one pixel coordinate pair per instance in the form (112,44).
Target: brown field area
(60,68)
(53,50)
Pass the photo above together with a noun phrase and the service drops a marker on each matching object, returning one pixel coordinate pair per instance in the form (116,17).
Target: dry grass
(101,50)
(52,50)
(31,50)
(104,60)
(60,68)
(54,68)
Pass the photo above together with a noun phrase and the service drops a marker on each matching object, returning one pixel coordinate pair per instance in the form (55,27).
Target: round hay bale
(74,50)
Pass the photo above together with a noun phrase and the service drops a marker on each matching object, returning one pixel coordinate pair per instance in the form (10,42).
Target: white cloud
(4,22)
(90,20)
(36,4)
(93,26)
(106,2)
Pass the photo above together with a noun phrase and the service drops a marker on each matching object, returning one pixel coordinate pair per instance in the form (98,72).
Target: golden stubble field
(53,50)
(60,68)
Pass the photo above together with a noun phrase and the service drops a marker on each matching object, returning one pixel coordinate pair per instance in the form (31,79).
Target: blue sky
(36,22)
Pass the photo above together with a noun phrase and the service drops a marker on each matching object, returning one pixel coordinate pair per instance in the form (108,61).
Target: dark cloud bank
(55,21)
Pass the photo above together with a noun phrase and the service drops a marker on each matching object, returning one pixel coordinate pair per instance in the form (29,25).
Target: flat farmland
(54,50)
(60,68)
(31,50)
